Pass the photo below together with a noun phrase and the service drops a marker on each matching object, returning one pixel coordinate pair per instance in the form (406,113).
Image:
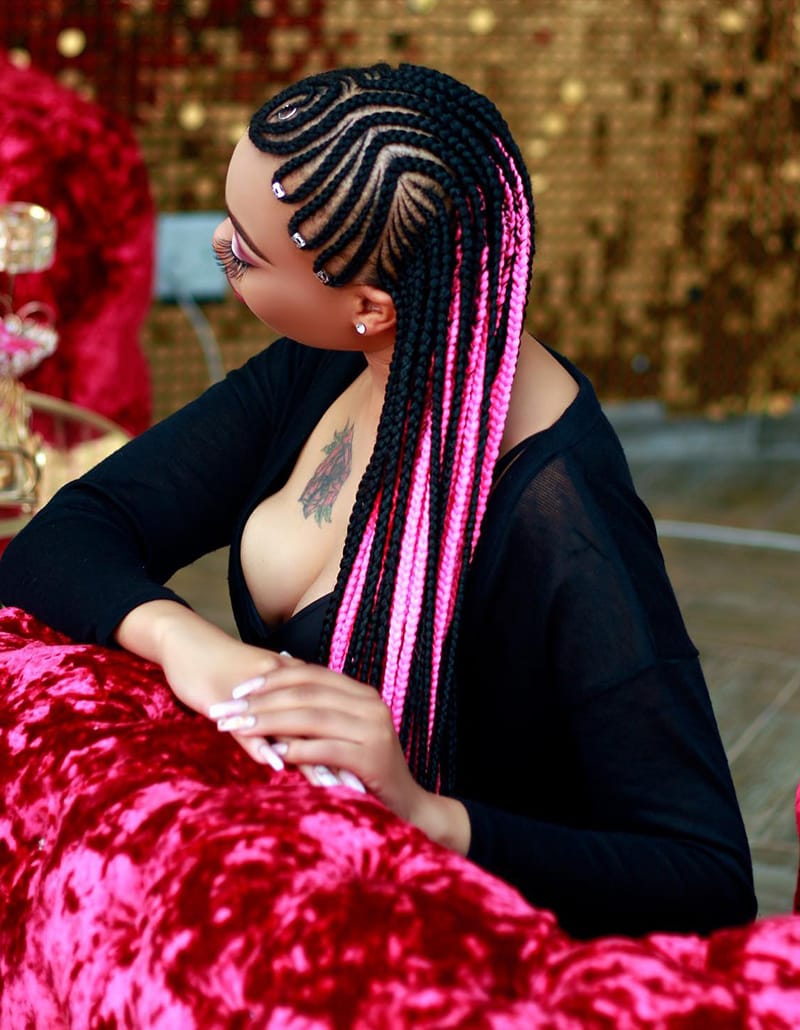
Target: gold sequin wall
(662,136)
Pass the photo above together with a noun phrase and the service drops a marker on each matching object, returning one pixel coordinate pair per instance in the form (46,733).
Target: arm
(592,768)
(201,663)
(323,718)
(109,541)
(658,843)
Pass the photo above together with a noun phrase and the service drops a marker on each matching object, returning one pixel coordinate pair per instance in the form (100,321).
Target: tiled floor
(741,601)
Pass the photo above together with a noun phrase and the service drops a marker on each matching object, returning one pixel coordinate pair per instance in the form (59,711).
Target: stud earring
(278,190)
(360,328)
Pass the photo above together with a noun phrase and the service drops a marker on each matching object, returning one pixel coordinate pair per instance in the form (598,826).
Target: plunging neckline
(305,610)
(294,635)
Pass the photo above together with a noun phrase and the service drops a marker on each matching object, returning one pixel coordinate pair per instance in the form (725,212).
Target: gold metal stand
(27,244)
(37,469)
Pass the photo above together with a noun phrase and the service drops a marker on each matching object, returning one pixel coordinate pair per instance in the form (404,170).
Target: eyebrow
(245,237)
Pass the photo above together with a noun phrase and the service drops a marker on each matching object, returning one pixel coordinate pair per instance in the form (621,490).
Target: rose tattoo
(323,488)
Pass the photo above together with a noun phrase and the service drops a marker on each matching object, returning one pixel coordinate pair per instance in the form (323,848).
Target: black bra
(300,635)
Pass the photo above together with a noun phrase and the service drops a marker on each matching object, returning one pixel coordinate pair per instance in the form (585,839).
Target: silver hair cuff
(285,113)
(298,240)
(278,190)
(323,276)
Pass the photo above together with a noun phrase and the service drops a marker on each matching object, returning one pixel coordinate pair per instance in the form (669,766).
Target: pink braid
(464,459)
(516,246)
(409,587)
(352,596)
(406,609)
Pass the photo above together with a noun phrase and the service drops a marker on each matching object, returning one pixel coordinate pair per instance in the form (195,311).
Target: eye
(229,258)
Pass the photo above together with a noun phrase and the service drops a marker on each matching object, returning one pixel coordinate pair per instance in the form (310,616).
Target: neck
(376,377)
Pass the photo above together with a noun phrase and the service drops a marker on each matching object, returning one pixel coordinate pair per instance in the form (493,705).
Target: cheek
(281,304)
(297,305)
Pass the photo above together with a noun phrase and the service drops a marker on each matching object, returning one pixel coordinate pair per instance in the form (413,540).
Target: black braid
(391,173)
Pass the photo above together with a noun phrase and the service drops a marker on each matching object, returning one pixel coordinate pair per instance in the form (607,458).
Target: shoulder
(286,367)
(565,490)
(571,451)
(565,532)
(283,357)
(544,388)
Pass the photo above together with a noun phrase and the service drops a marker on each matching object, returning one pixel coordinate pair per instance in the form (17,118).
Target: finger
(260,750)
(307,673)
(257,683)
(351,780)
(310,695)
(242,690)
(334,754)
(308,721)
(323,776)
(320,775)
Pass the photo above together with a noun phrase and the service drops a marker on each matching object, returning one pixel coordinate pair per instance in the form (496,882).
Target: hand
(201,663)
(208,670)
(321,717)
(232,716)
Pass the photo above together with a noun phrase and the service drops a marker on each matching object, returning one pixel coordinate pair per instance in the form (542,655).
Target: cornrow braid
(407,179)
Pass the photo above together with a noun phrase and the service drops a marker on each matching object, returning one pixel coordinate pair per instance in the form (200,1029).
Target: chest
(293,540)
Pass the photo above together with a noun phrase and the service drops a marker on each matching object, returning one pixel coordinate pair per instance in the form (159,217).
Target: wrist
(445,820)
(153,628)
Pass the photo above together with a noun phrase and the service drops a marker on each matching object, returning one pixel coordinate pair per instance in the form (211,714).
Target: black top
(588,756)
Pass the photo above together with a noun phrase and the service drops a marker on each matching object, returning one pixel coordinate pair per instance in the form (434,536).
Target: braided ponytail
(407,179)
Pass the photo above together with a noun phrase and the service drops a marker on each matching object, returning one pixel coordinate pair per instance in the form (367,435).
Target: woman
(428,510)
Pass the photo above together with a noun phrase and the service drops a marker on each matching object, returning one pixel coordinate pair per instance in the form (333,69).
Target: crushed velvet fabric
(797,818)
(152,876)
(82,163)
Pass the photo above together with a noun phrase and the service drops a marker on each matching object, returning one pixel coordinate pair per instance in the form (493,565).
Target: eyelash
(233,266)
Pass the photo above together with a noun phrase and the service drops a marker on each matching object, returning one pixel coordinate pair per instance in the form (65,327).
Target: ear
(375,308)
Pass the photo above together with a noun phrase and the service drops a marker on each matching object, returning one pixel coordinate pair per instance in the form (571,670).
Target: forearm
(78,566)
(153,630)
(602,882)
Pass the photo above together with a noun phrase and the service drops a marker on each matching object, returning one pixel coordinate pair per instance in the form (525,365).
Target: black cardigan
(588,756)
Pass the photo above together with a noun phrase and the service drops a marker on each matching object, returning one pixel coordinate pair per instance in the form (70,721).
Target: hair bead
(409,180)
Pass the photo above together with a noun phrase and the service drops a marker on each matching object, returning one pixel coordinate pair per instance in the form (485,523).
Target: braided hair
(407,179)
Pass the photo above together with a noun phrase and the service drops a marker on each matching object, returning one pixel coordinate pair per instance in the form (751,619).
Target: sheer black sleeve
(590,761)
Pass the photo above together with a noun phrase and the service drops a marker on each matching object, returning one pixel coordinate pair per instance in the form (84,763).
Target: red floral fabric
(151,875)
(83,164)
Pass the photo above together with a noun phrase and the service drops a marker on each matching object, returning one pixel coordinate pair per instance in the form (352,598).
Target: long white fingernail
(268,755)
(223,708)
(236,722)
(243,689)
(351,780)
(280,748)
(326,778)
